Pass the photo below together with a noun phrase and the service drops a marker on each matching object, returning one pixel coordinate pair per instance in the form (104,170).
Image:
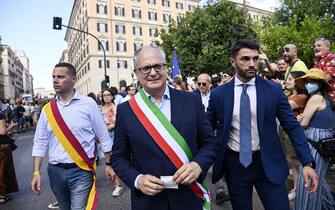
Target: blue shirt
(82,115)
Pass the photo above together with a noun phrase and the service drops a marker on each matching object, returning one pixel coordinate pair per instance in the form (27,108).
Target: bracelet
(36,173)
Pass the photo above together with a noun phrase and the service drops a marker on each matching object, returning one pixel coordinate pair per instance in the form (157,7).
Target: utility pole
(57,25)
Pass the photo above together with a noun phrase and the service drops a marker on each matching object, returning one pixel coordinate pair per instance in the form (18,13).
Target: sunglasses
(284,49)
(202,84)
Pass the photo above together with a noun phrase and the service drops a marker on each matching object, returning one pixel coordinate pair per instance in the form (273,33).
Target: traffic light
(57,24)
(107,79)
(105,83)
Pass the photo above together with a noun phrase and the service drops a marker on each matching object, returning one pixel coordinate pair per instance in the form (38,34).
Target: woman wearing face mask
(317,119)
(297,100)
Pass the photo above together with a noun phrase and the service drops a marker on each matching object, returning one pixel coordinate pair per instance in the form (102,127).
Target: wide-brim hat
(315,74)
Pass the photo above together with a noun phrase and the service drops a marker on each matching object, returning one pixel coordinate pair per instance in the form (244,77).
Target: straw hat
(315,74)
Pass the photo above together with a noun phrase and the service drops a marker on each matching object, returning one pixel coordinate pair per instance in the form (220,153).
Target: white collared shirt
(234,136)
(82,115)
(205,99)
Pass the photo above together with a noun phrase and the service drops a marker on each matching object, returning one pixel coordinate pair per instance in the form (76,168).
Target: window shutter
(105,9)
(123,11)
(98,27)
(115,10)
(124,29)
(107,47)
(125,64)
(141,31)
(125,46)
(99,46)
(155,15)
(132,13)
(97,8)
(140,14)
(106,27)
(100,65)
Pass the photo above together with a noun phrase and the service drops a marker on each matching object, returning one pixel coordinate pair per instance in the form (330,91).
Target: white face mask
(311,87)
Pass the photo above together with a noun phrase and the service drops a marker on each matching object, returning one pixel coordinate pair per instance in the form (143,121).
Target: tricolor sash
(167,138)
(72,147)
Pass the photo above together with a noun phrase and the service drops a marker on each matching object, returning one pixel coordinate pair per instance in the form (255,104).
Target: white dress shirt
(82,115)
(205,99)
(234,136)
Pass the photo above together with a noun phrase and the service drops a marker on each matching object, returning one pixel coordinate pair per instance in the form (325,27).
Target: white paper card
(169,183)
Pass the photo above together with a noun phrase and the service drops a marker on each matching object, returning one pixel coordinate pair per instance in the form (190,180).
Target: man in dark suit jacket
(136,157)
(244,112)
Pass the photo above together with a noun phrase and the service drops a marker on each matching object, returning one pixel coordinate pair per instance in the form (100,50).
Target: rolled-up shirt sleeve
(41,138)
(100,129)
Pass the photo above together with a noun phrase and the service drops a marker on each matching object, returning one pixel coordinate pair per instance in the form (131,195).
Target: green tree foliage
(203,39)
(299,23)
(322,9)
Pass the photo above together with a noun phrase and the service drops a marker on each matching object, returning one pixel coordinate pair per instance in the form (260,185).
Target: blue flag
(175,66)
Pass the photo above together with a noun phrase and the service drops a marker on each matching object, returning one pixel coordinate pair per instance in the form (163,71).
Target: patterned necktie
(245,128)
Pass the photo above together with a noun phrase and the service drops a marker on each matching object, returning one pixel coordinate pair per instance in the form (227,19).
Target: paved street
(25,200)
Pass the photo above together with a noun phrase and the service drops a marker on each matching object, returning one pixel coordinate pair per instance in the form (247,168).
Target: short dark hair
(244,43)
(128,87)
(69,66)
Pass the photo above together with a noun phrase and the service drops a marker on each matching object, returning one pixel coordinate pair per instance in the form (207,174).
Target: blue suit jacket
(135,152)
(271,104)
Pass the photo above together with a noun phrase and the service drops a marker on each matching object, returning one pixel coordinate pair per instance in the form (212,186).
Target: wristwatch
(108,164)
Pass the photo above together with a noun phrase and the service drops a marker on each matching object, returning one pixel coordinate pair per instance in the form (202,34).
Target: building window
(122,64)
(153,32)
(151,1)
(191,8)
(119,11)
(102,27)
(88,66)
(107,64)
(179,5)
(137,31)
(104,44)
(152,15)
(100,64)
(121,46)
(136,13)
(102,9)
(166,3)
(136,0)
(137,46)
(166,17)
(120,29)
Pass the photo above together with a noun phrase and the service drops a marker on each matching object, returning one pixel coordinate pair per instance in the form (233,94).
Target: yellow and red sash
(72,147)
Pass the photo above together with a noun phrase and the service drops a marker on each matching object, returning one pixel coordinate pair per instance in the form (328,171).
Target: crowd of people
(161,137)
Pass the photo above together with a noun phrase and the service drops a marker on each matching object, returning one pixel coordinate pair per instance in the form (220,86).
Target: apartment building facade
(12,73)
(122,26)
(26,76)
(2,91)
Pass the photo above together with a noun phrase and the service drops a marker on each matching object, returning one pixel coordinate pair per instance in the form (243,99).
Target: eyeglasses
(202,84)
(147,69)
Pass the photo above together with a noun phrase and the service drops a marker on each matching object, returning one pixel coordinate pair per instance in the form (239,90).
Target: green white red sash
(167,138)
(72,147)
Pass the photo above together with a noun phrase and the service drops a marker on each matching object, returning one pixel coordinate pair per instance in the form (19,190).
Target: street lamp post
(57,25)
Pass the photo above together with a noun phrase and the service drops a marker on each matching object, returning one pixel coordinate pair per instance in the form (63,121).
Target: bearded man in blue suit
(162,136)
(244,112)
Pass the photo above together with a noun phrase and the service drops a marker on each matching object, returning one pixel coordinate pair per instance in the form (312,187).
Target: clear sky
(27,25)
